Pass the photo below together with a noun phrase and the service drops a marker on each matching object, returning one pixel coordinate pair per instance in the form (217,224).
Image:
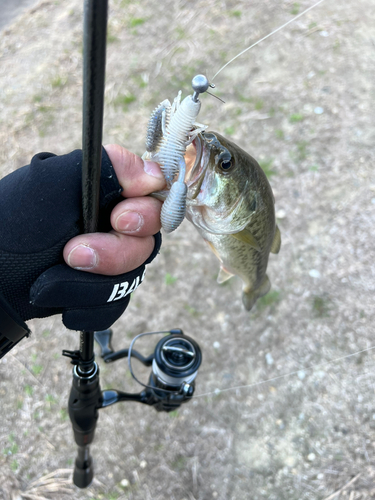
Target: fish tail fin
(249,297)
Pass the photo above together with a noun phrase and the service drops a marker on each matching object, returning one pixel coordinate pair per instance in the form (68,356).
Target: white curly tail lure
(171,129)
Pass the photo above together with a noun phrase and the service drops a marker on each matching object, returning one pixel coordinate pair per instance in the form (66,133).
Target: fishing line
(273,379)
(267,36)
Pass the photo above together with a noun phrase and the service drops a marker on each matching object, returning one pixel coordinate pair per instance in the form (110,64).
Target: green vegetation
(191,310)
(64,414)
(295,118)
(179,463)
(301,150)
(295,9)
(321,306)
(37,369)
(136,21)
(271,299)
(169,279)
(259,104)
(12,449)
(235,13)
(229,130)
(58,81)
(266,167)
(123,100)
(279,133)
(181,33)
(28,390)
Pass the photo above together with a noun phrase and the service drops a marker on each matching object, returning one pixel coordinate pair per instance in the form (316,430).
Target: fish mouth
(196,159)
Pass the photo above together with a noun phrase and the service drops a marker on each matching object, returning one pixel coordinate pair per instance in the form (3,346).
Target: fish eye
(225,164)
(225,161)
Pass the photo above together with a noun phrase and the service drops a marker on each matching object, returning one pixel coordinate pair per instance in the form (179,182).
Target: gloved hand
(41,213)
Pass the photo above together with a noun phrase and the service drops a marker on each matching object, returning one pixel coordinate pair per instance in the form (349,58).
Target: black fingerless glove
(40,211)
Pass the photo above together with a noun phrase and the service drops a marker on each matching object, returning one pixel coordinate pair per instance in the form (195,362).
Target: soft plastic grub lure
(171,129)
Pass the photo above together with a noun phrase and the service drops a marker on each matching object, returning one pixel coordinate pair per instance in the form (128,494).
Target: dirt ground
(284,406)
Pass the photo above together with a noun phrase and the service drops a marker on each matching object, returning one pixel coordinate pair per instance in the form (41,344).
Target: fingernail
(153,169)
(128,222)
(82,257)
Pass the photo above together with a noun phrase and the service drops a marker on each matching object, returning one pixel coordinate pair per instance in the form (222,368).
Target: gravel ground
(285,395)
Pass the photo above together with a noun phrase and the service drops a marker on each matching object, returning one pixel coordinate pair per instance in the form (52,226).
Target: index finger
(136,176)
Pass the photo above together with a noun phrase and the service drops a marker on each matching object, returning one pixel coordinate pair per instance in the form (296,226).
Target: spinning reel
(174,367)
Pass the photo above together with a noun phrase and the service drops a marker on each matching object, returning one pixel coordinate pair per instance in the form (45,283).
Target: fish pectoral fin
(276,243)
(246,237)
(223,275)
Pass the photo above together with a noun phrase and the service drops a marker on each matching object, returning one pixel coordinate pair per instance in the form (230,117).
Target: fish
(231,204)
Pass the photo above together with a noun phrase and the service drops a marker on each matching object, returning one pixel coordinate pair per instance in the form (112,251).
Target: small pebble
(311,457)
(301,374)
(320,476)
(143,464)
(125,483)
(318,110)
(269,358)
(281,214)
(216,345)
(314,273)
(324,33)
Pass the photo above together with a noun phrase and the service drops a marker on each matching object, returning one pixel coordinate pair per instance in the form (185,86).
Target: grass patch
(179,463)
(123,101)
(58,82)
(37,369)
(279,133)
(63,414)
(235,13)
(136,21)
(229,130)
(191,310)
(295,118)
(169,279)
(271,299)
(259,104)
(12,449)
(295,9)
(321,306)
(28,390)
(266,165)
(301,150)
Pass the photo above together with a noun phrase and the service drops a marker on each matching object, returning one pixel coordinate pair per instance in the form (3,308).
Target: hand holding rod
(85,396)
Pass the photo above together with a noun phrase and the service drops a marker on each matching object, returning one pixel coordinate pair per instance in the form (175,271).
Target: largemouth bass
(231,204)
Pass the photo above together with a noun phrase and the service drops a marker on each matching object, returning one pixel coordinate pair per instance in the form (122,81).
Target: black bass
(231,203)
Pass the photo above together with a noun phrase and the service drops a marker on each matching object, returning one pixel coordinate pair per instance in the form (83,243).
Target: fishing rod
(176,358)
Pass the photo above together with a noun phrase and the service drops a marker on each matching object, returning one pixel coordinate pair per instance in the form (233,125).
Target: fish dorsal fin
(223,275)
(276,243)
(246,237)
